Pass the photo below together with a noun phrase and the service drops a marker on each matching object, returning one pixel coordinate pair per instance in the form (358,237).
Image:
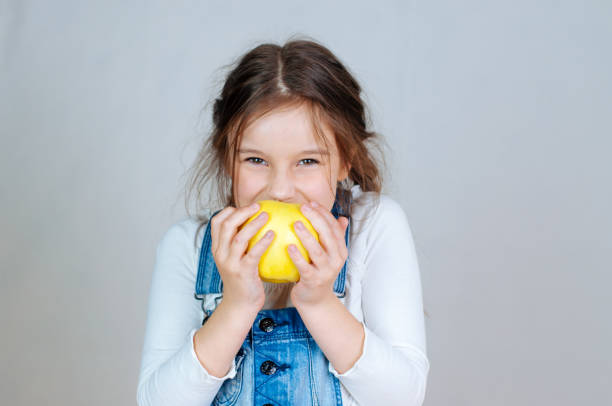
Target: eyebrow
(307,151)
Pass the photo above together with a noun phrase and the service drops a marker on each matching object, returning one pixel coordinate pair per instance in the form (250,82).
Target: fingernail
(306,207)
(314,204)
(254,206)
(269,234)
(299,225)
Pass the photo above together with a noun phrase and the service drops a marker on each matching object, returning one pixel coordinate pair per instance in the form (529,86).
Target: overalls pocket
(230,390)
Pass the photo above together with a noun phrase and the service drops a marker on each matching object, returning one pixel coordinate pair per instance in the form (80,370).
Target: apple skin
(275,264)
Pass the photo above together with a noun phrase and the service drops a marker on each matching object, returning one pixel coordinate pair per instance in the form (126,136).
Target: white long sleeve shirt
(383,292)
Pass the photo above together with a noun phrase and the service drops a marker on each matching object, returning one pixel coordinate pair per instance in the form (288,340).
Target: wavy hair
(271,76)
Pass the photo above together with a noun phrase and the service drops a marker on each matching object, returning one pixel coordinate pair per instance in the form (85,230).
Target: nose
(281,186)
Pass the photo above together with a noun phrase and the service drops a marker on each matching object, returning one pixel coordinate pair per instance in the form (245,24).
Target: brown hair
(270,76)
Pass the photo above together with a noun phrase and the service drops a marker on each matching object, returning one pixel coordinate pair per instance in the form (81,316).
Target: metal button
(267,324)
(268,367)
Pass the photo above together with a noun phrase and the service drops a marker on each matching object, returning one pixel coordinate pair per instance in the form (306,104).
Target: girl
(289,125)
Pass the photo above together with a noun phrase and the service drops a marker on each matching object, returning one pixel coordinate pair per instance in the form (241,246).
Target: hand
(328,256)
(239,272)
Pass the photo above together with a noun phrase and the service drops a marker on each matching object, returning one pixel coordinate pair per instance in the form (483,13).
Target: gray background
(498,118)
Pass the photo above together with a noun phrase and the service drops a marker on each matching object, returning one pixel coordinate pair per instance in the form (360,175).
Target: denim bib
(279,363)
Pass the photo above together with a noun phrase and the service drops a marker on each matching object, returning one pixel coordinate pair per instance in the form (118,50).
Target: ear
(344,171)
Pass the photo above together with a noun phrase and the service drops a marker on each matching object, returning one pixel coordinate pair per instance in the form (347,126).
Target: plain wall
(498,118)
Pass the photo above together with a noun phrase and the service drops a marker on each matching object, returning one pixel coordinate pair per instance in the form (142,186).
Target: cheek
(250,181)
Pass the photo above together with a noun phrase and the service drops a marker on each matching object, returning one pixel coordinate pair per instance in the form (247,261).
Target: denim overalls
(279,362)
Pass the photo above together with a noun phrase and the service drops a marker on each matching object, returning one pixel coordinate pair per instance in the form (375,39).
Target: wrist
(322,301)
(239,309)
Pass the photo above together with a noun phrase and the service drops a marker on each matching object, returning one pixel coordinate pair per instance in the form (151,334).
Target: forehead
(288,127)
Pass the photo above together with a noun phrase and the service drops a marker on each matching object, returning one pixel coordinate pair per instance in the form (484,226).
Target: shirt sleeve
(170,372)
(393,367)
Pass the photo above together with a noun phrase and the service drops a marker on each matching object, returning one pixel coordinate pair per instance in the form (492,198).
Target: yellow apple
(275,264)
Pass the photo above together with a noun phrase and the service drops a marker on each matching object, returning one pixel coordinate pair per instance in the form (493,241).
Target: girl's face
(279,159)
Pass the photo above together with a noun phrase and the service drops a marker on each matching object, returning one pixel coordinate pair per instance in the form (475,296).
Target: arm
(171,373)
(217,342)
(337,332)
(390,366)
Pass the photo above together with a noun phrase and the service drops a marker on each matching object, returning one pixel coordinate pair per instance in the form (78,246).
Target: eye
(249,160)
(309,159)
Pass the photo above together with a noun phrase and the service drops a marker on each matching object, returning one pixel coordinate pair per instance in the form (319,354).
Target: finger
(229,226)
(254,255)
(316,253)
(344,222)
(215,223)
(334,224)
(326,236)
(338,227)
(305,269)
(241,240)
